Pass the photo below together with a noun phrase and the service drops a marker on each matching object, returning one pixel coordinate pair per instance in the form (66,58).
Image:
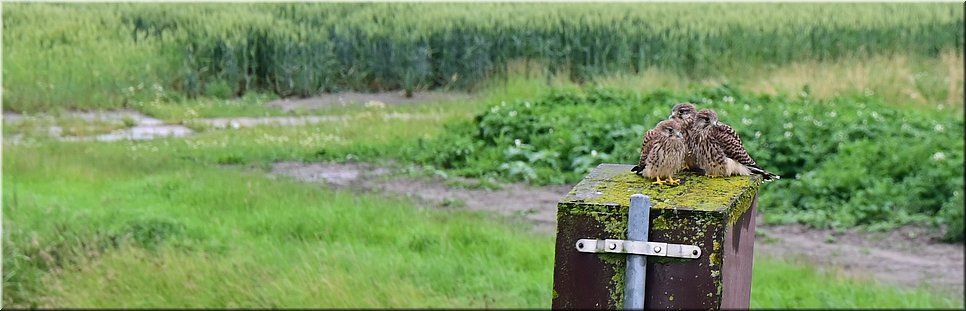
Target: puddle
(141,132)
(146,127)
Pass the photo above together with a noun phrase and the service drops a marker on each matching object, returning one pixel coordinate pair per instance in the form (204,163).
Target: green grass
(115,225)
(795,284)
(199,235)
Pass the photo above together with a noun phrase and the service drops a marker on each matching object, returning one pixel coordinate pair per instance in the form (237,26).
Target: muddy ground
(908,257)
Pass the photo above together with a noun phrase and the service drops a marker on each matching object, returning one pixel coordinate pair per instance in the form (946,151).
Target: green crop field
(107,55)
(858,106)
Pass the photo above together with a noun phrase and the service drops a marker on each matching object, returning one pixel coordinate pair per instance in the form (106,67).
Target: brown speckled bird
(682,112)
(663,152)
(717,150)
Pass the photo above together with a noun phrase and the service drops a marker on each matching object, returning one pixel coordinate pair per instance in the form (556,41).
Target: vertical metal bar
(638,223)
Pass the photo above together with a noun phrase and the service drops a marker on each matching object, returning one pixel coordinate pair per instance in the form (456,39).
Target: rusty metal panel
(681,284)
(580,281)
(738,258)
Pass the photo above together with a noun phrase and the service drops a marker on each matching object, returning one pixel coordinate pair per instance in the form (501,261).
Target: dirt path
(371,99)
(908,257)
(535,204)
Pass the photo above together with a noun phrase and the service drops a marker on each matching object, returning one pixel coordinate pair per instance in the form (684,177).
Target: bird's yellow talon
(658,182)
(672,181)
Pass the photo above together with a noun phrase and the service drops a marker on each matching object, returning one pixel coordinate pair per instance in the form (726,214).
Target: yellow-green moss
(555,294)
(618,262)
(715,257)
(659,223)
(696,192)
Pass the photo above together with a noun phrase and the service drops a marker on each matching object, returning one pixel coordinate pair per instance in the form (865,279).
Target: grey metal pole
(638,223)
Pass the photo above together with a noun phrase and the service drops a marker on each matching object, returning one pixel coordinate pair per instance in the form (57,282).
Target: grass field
(194,223)
(94,55)
(197,222)
(141,225)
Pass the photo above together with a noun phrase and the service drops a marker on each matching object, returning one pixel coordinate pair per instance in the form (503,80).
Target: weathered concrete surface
(711,213)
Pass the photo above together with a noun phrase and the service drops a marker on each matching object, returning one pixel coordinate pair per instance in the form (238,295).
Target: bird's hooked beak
(715,123)
(679,134)
(671,116)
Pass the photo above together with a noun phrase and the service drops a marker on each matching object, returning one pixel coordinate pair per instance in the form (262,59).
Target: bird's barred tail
(767,176)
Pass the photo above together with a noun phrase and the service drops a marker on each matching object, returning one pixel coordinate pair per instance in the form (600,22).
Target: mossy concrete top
(613,184)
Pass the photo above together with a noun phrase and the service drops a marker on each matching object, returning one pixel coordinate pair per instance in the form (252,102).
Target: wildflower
(513,113)
(938,156)
(728,99)
(757,134)
(788,125)
(832,114)
(938,128)
(788,134)
(593,153)
(516,142)
(745,121)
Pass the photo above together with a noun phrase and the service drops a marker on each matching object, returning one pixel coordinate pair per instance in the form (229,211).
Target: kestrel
(717,149)
(662,154)
(682,112)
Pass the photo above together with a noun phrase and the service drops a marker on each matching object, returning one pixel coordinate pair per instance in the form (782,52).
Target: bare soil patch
(353,98)
(909,257)
(535,205)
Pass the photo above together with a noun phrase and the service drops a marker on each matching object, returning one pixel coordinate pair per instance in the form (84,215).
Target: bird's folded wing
(646,144)
(727,139)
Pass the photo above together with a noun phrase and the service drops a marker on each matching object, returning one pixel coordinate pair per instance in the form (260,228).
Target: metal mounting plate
(638,247)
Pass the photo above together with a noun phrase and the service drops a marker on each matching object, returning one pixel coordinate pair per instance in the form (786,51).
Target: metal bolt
(657,249)
(613,246)
(694,252)
(580,245)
